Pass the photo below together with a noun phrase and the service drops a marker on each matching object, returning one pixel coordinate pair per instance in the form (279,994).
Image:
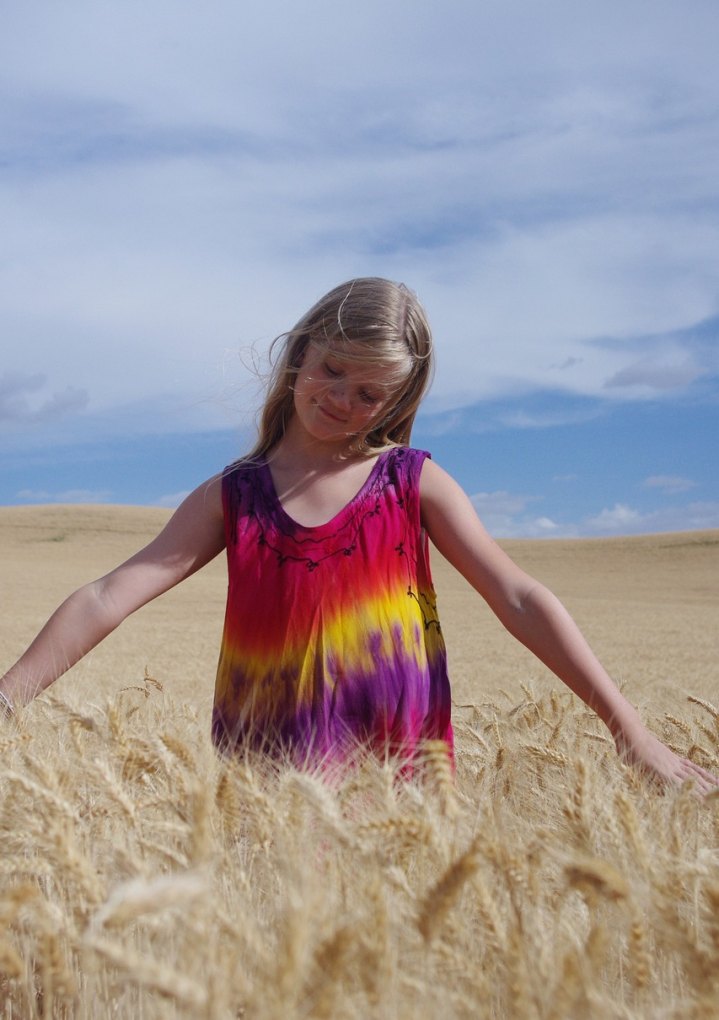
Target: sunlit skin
(337,399)
(317,467)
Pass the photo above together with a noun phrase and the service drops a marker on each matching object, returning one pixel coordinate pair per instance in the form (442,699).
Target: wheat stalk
(141,970)
(445,892)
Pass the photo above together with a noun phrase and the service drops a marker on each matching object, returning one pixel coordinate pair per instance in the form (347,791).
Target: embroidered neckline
(335,521)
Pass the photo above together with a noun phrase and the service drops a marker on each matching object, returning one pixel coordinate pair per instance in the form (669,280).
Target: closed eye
(368,398)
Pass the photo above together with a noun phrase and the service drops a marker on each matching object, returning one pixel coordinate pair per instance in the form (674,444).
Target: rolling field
(142,876)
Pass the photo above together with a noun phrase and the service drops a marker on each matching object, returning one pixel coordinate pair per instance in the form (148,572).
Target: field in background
(141,876)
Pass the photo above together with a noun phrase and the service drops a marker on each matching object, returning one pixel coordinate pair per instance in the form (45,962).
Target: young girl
(331,635)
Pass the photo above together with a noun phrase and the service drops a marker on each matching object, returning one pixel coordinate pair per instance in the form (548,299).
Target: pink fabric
(331,636)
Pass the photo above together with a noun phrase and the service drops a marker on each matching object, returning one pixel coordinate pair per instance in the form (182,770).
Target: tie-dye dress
(331,637)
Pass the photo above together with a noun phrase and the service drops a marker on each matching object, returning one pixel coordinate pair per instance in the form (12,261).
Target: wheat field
(143,876)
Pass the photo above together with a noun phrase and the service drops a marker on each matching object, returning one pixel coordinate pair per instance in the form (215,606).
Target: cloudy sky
(179,181)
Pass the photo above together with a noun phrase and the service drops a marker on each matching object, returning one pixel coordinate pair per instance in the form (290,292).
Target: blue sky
(178,182)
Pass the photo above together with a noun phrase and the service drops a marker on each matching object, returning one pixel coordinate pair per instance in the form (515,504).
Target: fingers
(702,772)
(704,782)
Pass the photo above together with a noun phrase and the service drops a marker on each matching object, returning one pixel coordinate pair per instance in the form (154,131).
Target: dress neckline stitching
(333,521)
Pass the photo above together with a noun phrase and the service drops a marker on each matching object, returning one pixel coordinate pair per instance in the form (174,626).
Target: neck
(306,452)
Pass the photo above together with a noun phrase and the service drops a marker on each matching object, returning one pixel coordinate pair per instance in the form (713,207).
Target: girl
(331,636)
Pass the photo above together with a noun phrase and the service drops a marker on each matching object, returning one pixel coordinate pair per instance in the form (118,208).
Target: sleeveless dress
(331,638)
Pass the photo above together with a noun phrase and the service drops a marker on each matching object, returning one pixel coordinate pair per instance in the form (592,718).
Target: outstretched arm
(537,618)
(192,537)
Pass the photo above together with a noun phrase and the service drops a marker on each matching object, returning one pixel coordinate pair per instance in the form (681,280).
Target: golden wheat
(147,877)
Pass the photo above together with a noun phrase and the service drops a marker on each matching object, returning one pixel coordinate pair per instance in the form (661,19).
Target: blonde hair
(365,317)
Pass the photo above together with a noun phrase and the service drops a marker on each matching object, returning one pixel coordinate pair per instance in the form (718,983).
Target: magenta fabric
(331,638)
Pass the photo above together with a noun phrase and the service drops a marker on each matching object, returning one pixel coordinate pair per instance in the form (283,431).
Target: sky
(180,181)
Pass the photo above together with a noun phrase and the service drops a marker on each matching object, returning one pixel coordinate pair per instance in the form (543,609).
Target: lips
(330,416)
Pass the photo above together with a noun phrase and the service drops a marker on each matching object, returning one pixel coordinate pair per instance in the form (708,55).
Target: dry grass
(141,876)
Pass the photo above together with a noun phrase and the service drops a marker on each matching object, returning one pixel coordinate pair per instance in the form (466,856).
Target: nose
(340,396)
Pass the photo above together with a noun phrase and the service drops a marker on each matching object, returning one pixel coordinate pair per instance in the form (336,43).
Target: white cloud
(655,373)
(540,175)
(622,519)
(670,485)
(520,419)
(499,503)
(67,496)
(171,500)
(504,515)
(546,524)
(24,400)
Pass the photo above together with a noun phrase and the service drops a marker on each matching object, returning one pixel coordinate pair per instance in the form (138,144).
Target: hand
(649,754)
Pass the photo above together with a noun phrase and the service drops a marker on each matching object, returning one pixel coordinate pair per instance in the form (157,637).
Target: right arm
(193,536)
(533,615)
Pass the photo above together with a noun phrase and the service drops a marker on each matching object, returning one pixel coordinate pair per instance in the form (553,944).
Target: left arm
(533,615)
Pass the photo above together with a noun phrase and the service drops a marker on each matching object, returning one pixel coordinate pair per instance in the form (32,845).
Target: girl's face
(337,398)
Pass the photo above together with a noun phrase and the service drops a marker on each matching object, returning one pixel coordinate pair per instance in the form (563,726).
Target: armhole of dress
(423,556)
(418,461)
(226,507)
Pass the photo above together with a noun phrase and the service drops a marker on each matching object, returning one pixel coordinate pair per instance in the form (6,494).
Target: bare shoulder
(206,498)
(452,524)
(444,503)
(192,537)
(436,483)
(198,522)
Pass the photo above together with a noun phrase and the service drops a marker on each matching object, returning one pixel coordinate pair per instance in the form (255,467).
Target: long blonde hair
(367,314)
